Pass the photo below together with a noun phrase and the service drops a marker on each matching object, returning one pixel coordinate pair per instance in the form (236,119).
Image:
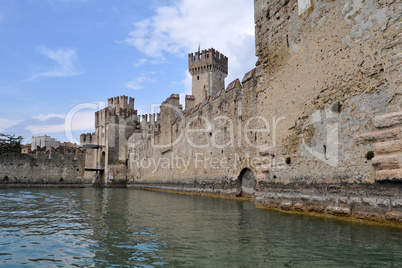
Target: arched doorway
(245,183)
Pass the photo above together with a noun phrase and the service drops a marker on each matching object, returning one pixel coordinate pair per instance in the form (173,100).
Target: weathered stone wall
(54,169)
(107,148)
(327,83)
(200,144)
(325,93)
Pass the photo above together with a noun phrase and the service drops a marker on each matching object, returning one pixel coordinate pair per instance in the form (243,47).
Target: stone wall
(201,143)
(330,84)
(54,169)
(297,132)
(327,83)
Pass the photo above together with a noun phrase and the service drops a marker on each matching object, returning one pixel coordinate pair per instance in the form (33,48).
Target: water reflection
(106,227)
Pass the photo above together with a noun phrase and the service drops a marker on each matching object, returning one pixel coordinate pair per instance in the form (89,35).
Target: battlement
(174,100)
(87,138)
(207,60)
(189,102)
(123,102)
(170,125)
(150,119)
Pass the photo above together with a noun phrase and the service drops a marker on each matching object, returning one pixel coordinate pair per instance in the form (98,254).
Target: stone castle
(315,127)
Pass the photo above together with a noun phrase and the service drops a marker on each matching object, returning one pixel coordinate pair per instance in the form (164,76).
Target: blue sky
(59,56)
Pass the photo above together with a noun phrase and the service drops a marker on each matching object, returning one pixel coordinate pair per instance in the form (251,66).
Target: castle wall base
(376,202)
(221,186)
(381,202)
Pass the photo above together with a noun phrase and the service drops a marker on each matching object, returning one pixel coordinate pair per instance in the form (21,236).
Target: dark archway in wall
(102,159)
(245,183)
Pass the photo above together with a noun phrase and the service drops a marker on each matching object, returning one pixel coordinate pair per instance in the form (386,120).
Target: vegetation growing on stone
(369,155)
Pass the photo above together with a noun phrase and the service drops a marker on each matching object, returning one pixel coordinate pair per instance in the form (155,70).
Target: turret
(209,70)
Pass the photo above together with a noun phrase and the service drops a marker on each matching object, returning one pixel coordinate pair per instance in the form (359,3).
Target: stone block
(389,174)
(267,151)
(379,135)
(355,200)
(383,202)
(393,216)
(305,197)
(370,202)
(396,203)
(344,200)
(316,208)
(366,214)
(387,161)
(266,169)
(338,211)
(388,147)
(298,207)
(388,120)
(287,205)
(261,177)
(318,198)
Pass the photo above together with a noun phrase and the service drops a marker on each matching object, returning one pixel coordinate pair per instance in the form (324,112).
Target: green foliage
(369,155)
(10,143)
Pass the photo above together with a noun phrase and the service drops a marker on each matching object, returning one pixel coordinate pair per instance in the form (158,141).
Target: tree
(10,143)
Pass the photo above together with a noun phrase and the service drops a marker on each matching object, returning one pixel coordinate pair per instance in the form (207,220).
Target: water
(131,228)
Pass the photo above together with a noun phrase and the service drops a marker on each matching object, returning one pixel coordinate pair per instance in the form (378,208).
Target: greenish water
(131,228)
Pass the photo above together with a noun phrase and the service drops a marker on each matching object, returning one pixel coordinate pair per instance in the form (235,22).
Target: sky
(60,60)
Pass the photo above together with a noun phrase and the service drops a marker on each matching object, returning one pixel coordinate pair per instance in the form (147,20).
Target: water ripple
(126,228)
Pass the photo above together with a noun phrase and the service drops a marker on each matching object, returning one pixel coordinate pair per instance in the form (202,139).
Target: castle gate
(245,183)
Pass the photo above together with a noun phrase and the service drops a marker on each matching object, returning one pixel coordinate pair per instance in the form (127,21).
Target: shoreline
(369,203)
(299,203)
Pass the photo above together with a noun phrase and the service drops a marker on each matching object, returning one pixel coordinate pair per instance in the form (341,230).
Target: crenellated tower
(209,69)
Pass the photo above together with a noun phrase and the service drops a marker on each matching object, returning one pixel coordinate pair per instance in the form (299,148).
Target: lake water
(132,228)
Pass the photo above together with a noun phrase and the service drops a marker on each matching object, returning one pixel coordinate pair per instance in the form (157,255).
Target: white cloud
(64,58)
(43,117)
(81,121)
(140,62)
(6,123)
(137,82)
(188,83)
(180,27)
(45,129)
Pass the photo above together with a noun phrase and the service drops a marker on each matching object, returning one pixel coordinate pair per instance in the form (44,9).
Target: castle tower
(209,69)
